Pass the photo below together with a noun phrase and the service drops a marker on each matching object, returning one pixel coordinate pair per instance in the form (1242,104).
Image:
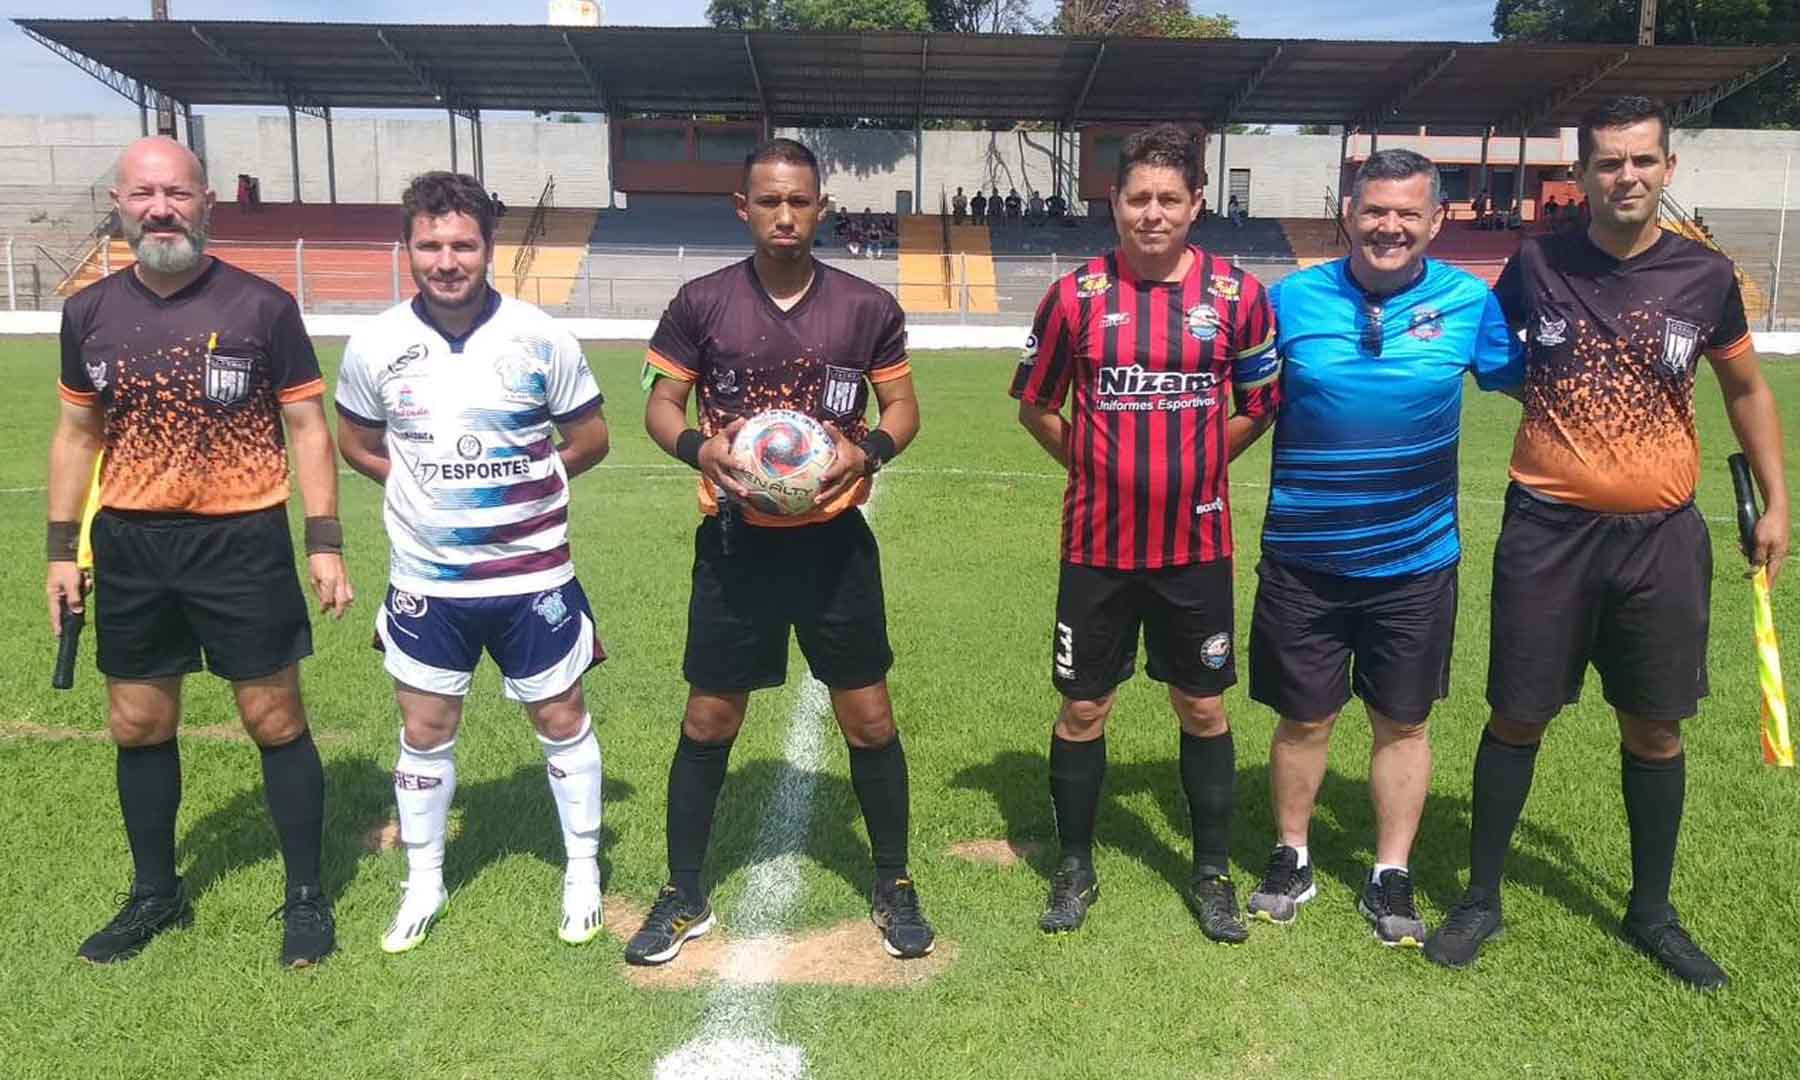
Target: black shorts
(169,588)
(1316,637)
(1185,612)
(1630,593)
(823,581)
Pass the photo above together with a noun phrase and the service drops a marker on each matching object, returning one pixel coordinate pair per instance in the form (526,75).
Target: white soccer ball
(782,455)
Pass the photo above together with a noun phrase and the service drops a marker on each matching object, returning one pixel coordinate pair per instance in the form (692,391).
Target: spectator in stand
(1015,206)
(1034,209)
(499,207)
(1481,205)
(1235,211)
(1056,206)
(959,206)
(979,207)
(1552,211)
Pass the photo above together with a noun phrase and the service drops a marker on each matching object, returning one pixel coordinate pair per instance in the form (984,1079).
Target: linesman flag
(68,645)
(1777,748)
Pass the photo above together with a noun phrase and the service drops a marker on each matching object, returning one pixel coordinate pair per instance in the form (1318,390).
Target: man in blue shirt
(1357,589)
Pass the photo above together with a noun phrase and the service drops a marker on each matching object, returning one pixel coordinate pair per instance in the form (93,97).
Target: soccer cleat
(1213,900)
(1285,886)
(673,921)
(308,932)
(142,915)
(1388,905)
(581,910)
(1073,889)
(1667,942)
(894,909)
(1474,919)
(419,908)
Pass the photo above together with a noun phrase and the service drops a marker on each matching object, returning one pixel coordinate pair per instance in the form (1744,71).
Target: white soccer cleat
(419,908)
(581,911)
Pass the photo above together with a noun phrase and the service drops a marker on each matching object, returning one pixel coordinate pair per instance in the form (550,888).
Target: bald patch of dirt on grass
(846,954)
(997,852)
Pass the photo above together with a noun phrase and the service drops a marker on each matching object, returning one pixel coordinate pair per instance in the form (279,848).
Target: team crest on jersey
(551,608)
(228,378)
(96,373)
(519,378)
(839,396)
(1088,286)
(1115,318)
(407,605)
(725,380)
(1681,340)
(1225,287)
(1215,650)
(468,447)
(1203,322)
(1427,324)
(1552,332)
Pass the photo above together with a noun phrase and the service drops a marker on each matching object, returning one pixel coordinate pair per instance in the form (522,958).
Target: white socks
(1382,868)
(574,769)
(424,784)
(1305,857)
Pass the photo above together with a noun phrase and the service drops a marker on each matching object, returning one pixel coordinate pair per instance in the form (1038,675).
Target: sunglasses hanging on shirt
(1371,328)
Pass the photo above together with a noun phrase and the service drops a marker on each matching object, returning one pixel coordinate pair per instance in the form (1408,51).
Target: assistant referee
(194,377)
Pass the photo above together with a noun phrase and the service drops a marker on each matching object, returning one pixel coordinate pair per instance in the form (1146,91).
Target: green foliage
(1139,18)
(1773,101)
(858,14)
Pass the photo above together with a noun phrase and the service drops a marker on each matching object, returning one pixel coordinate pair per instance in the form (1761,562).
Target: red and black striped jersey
(1151,363)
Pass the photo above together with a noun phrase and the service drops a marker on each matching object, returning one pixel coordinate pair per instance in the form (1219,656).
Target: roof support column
(1374,140)
(918,167)
(1487,135)
(294,149)
(143,112)
(452,113)
(1519,179)
(330,160)
(1219,207)
(476,150)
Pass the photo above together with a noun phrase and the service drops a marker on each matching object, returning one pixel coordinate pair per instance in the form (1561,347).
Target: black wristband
(324,536)
(878,446)
(63,541)
(687,447)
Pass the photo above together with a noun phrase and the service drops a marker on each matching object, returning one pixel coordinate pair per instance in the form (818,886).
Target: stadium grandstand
(1493,114)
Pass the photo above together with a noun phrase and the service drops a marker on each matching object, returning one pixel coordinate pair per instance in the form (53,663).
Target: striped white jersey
(477,503)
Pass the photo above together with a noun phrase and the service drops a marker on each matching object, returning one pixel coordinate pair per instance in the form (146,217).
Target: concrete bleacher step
(927,282)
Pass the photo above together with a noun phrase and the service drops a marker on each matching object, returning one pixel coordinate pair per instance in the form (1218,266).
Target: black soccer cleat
(1667,942)
(1388,905)
(894,909)
(1284,887)
(673,921)
(1213,900)
(1458,939)
(1073,889)
(142,915)
(308,931)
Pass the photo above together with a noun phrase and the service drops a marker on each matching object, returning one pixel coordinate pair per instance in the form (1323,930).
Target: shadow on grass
(832,836)
(499,817)
(1342,836)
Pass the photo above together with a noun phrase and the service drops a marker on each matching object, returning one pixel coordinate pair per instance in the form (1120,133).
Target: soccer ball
(783,454)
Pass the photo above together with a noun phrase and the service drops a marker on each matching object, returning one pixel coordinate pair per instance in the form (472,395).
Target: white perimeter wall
(1719,169)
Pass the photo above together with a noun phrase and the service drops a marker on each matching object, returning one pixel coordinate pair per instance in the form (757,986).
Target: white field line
(737,1031)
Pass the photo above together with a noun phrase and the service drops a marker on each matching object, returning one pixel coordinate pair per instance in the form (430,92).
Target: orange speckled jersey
(1609,378)
(724,333)
(191,386)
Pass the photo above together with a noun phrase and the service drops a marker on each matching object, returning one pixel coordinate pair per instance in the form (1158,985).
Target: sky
(33,79)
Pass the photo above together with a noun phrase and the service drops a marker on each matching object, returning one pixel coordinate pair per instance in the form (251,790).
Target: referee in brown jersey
(1602,557)
(196,379)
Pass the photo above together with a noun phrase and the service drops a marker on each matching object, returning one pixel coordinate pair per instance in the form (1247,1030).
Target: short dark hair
(785,151)
(1617,113)
(1167,145)
(1398,164)
(435,194)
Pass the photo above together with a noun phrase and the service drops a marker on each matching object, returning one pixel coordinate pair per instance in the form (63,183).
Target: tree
(1773,101)
(1139,18)
(980,16)
(858,14)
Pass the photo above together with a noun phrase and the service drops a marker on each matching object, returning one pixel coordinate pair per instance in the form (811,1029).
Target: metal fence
(622,282)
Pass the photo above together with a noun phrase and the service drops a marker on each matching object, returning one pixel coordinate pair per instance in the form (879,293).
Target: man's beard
(167,254)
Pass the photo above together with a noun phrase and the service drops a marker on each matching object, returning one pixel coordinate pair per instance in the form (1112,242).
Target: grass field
(967,521)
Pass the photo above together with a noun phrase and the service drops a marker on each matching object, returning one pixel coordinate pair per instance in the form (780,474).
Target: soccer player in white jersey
(452,402)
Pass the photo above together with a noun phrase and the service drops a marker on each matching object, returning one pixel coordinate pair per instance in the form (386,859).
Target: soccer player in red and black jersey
(198,381)
(782,330)
(1603,558)
(1158,340)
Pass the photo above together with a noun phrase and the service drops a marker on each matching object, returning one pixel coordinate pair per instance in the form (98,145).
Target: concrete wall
(1289,174)
(375,155)
(1738,170)
(866,168)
